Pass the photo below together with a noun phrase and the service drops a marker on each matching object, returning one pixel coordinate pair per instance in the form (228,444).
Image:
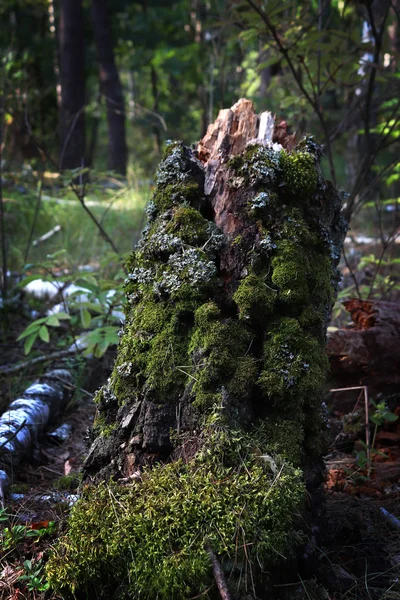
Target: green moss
(255,299)
(154,344)
(20,488)
(190,225)
(173,194)
(216,346)
(290,277)
(68,482)
(295,365)
(299,173)
(237,241)
(285,437)
(156,546)
(245,375)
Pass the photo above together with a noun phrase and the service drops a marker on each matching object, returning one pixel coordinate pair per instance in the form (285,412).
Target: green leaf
(63,316)
(44,334)
(86,318)
(94,307)
(389,416)
(53,321)
(29,342)
(33,327)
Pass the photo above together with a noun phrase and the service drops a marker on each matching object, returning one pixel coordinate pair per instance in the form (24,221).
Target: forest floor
(358,550)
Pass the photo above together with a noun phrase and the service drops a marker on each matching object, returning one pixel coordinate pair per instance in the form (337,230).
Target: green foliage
(157,544)
(39,329)
(13,534)
(91,305)
(33,576)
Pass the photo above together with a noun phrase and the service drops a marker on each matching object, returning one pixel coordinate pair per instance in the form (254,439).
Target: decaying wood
(234,129)
(369,351)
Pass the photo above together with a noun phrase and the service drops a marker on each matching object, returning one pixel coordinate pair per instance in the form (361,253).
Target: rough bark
(72,78)
(220,369)
(111,88)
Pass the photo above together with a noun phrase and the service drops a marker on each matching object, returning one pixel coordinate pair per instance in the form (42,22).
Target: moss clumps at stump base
(211,426)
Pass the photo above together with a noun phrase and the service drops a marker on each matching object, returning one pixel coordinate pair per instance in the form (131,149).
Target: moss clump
(295,366)
(190,225)
(299,174)
(255,299)
(174,194)
(216,347)
(154,344)
(290,277)
(68,482)
(285,438)
(156,545)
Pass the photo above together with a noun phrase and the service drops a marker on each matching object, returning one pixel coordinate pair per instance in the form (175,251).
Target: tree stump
(212,423)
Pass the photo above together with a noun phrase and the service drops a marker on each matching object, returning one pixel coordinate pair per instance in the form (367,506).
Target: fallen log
(26,417)
(368,352)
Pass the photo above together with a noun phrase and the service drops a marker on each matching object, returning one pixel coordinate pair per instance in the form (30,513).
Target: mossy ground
(256,354)
(149,540)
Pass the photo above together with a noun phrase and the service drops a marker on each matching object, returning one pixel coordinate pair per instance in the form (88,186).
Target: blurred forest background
(90,91)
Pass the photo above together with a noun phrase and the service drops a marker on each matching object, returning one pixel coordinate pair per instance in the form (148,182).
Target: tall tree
(111,88)
(72,78)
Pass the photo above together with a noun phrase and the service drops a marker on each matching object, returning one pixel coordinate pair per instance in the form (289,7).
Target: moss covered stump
(210,430)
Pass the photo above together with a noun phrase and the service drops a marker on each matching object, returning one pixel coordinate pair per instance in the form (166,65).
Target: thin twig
(35,217)
(2,212)
(35,361)
(218,575)
(16,432)
(70,385)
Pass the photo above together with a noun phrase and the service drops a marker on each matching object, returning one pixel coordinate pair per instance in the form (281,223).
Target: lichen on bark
(213,411)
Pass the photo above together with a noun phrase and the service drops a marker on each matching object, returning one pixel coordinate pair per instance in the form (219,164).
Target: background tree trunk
(111,88)
(221,366)
(72,78)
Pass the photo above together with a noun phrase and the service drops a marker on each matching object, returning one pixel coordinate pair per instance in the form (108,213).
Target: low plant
(92,311)
(13,534)
(380,415)
(34,577)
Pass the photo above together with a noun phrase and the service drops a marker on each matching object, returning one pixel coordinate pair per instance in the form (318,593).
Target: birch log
(26,418)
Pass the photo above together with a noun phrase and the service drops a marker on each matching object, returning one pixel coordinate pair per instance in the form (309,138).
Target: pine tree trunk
(111,88)
(213,414)
(72,78)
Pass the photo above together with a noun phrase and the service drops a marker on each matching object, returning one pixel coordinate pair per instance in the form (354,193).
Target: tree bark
(111,88)
(221,366)
(72,78)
